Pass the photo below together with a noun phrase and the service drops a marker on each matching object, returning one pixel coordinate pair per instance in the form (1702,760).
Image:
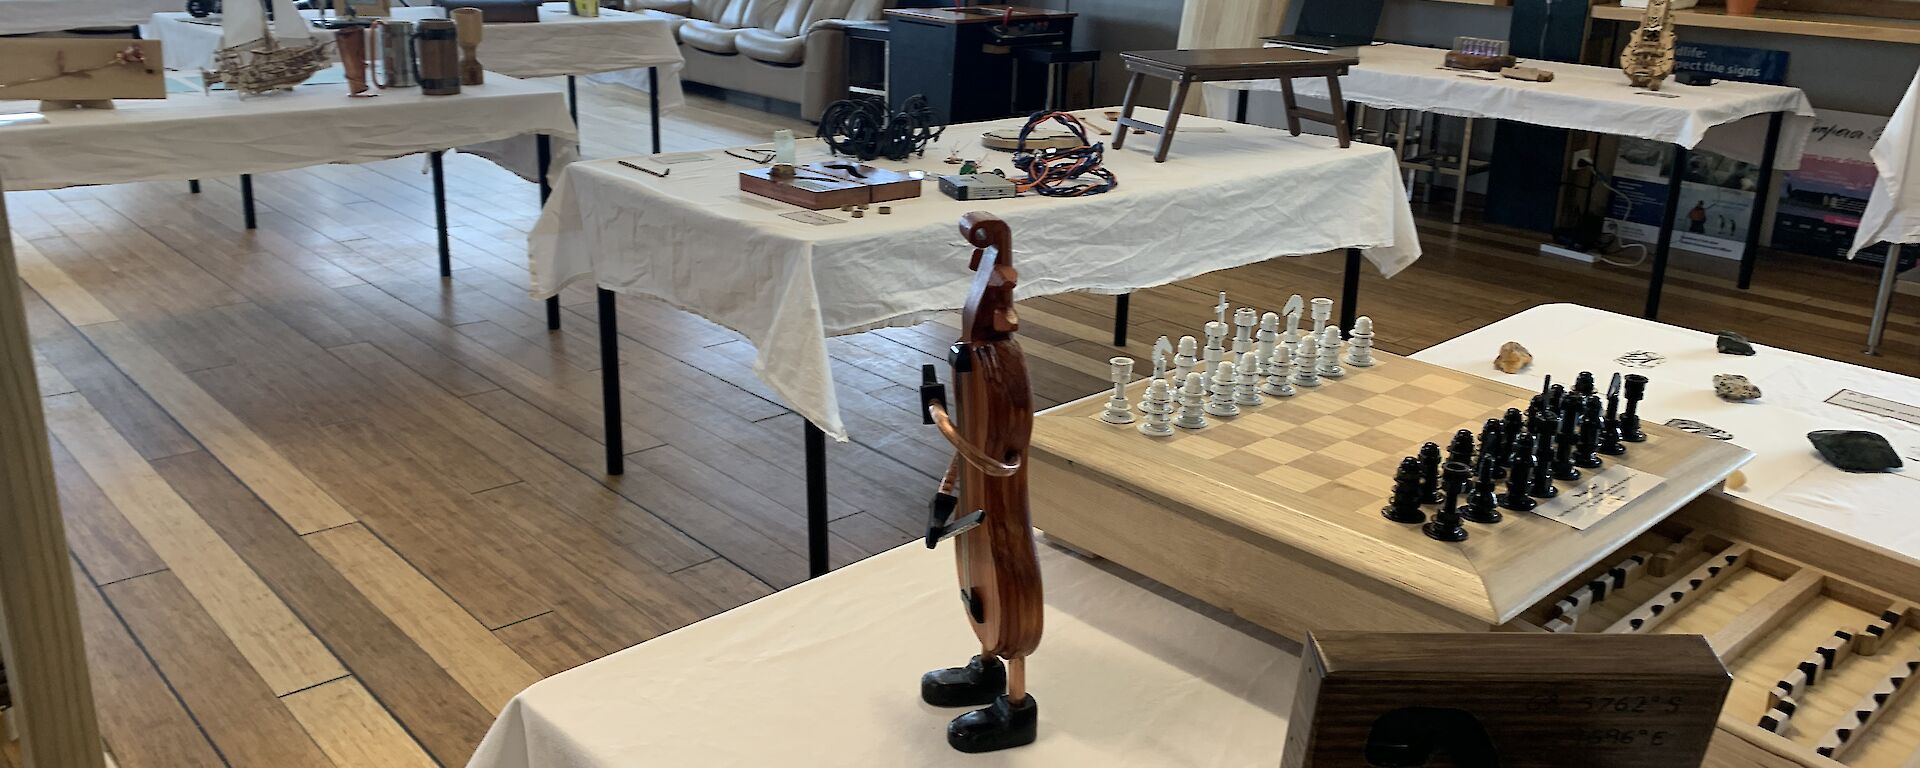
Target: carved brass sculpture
(1648,57)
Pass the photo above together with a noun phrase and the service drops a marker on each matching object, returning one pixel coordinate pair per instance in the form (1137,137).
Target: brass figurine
(1648,57)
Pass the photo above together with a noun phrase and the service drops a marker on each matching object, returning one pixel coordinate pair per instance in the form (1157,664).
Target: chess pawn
(1158,422)
(1161,349)
(1244,319)
(1583,383)
(1329,358)
(1305,358)
(1636,389)
(1512,423)
(1322,311)
(1520,478)
(1266,340)
(1611,443)
(1183,360)
(1404,507)
(1224,378)
(1543,438)
(467,23)
(1563,468)
(1460,449)
(1193,399)
(1445,525)
(1482,505)
(1246,383)
(1279,375)
(1588,453)
(1117,410)
(1360,344)
(1214,352)
(1430,473)
(1493,443)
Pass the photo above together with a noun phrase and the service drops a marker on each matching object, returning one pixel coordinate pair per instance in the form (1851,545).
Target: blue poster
(1732,62)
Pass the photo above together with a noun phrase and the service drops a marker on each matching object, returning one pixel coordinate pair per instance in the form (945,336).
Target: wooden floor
(327,508)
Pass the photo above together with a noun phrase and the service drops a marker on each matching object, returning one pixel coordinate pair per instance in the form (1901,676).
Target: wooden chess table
(1274,515)
(1186,67)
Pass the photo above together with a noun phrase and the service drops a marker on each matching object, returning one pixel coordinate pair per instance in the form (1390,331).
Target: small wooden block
(833,184)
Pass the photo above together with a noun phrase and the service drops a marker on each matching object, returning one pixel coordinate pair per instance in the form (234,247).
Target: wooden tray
(831,184)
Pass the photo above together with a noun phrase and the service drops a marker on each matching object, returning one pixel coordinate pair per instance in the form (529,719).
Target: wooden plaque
(94,75)
(1512,700)
(831,184)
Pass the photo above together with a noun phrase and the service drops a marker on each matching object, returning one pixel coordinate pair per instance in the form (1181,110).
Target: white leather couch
(791,50)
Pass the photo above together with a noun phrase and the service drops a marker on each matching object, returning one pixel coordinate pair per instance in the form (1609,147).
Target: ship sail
(289,27)
(242,24)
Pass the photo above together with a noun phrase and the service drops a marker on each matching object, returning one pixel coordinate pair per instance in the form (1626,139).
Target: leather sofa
(791,50)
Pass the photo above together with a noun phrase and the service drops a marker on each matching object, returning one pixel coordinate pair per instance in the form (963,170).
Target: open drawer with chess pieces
(1312,501)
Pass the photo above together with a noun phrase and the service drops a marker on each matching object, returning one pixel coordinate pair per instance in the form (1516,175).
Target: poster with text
(1820,204)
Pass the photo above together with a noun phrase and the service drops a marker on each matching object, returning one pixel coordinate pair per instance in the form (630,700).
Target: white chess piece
(1329,362)
(1183,361)
(1215,350)
(1246,382)
(1117,411)
(1268,339)
(1244,319)
(1220,309)
(1224,377)
(1360,344)
(1290,341)
(1159,420)
(1305,357)
(1162,349)
(1192,403)
(1279,373)
(1322,310)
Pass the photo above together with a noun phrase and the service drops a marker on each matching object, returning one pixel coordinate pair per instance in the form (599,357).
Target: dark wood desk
(954,58)
(1186,67)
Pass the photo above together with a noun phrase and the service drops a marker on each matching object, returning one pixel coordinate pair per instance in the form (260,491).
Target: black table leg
(246,198)
(1350,290)
(193,186)
(610,383)
(1664,244)
(1242,102)
(1761,190)
(816,500)
(573,101)
(543,151)
(653,104)
(1120,304)
(435,159)
(553,313)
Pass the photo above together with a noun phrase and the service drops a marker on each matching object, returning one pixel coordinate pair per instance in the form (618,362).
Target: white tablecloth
(827,674)
(1787,474)
(1234,196)
(19,17)
(1893,209)
(1581,97)
(614,47)
(197,135)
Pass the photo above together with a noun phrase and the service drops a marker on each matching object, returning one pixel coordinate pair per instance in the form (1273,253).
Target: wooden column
(40,636)
(1228,24)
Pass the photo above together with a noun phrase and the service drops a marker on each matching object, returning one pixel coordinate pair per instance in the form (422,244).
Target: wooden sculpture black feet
(977,684)
(1001,725)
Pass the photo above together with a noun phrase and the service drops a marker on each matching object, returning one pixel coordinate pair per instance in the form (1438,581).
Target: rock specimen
(1730,343)
(1854,450)
(1512,358)
(1734,388)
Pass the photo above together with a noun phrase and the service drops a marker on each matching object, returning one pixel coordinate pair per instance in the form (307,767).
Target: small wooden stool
(1186,67)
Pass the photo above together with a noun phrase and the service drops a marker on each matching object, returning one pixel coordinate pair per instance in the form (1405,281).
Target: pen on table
(661,174)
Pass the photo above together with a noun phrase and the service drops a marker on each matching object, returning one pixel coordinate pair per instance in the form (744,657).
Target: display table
(826,674)
(19,17)
(621,47)
(1787,474)
(198,135)
(1584,98)
(1238,195)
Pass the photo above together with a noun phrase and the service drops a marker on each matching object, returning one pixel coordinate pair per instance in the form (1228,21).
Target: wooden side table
(1186,67)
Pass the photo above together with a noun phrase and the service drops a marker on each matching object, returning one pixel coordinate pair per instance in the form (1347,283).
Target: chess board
(1296,485)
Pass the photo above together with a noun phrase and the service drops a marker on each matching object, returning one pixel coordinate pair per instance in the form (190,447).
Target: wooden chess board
(1289,495)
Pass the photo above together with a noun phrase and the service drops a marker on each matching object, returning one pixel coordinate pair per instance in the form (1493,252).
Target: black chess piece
(1587,452)
(1430,473)
(1583,383)
(1404,507)
(1636,390)
(1610,440)
(1493,442)
(1520,478)
(1482,506)
(1543,439)
(1461,448)
(1511,425)
(1563,443)
(1556,396)
(1445,525)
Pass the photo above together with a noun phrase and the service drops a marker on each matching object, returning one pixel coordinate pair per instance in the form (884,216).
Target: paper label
(815,218)
(1878,406)
(1593,497)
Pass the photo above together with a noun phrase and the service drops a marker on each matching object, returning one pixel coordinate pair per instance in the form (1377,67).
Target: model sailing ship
(1648,57)
(256,58)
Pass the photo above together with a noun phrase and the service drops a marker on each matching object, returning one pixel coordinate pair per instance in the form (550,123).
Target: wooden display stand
(1186,67)
(831,184)
(1274,516)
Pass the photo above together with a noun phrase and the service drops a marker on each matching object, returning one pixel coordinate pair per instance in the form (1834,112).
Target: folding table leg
(553,313)
(434,159)
(573,101)
(1126,109)
(653,104)
(1292,105)
(1174,106)
(543,151)
(1664,245)
(1243,100)
(1464,170)
(1883,299)
(1342,113)
(1120,306)
(1350,290)
(816,441)
(246,198)
(1762,188)
(193,186)
(610,382)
